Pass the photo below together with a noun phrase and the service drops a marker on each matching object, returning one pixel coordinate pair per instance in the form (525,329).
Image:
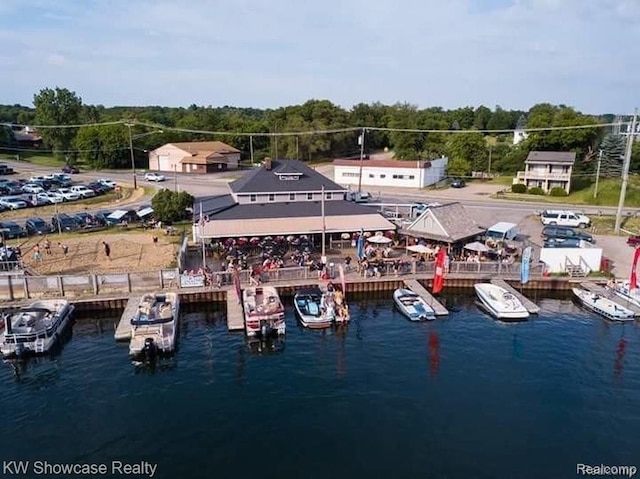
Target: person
(155,240)
(347,263)
(64,248)
(47,246)
(107,249)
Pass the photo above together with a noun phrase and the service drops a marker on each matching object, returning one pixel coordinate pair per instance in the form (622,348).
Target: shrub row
(520,188)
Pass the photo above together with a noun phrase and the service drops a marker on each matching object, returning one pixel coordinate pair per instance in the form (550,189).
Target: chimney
(267,163)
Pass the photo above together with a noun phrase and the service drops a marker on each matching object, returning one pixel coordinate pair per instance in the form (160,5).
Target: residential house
(409,174)
(547,170)
(194,157)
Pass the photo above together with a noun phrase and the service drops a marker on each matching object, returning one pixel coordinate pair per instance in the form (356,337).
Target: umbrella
(419,248)
(345,236)
(379,239)
(476,246)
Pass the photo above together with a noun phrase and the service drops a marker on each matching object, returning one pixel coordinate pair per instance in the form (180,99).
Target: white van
(502,231)
(362,197)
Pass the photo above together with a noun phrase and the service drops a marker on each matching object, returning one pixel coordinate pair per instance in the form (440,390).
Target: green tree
(6,136)
(104,146)
(57,107)
(613,150)
(171,206)
(470,147)
(634,166)
(481,117)
(458,167)
(406,145)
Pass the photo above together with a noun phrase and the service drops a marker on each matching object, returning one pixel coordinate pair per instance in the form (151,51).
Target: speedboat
(499,302)
(603,306)
(34,329)
(154,326)
(263,311)
(318,308)
(622,290)
(412,305)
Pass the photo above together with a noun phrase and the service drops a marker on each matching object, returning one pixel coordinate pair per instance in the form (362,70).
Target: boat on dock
(500,303)
(412,305)
(263,312)
(623,290)
(36,328)
(603,306)
(320,308)
(154,326)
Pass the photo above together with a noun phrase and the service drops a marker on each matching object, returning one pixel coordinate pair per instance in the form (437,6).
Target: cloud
(241,52)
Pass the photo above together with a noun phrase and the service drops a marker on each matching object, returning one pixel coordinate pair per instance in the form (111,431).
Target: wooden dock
(607,293)
(123,330)
(421,291)
(235,314)
(532,307)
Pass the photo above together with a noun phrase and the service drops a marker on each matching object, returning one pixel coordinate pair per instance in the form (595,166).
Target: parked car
(11,230)
(83,191)
(154,177)
(12,188)
(64,222)
(633,240)
(70,169)
(32,188)
(102,217)
(98,188)
(457,183)
(12,203)
(108,183)
(37,226)
(564,232)
(86,220)
(561,243)
(37,178)
(67,194)
(50,197)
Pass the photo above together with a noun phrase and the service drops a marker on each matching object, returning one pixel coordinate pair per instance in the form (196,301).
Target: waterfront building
(408,174)
(449,223)
(194,157)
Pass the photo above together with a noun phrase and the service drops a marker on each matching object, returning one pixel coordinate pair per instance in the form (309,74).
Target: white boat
(622,290)
(263,311)
(412,305)
(499,302)
(34,329)
(318,308)
(154,326)
(603,306)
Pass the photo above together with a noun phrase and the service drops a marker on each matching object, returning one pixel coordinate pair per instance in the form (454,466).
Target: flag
(201,220)
(236,283)
(360,246)
(633,280)
(525,265)
(343,281)
(438,278)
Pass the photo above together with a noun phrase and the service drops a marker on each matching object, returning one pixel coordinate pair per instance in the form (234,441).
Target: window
(292,196)
(309,196)
(383,176)
(395,177)
(253,198)
(412,177)
(371,175)
(272,197)
(328,197)
(350,174)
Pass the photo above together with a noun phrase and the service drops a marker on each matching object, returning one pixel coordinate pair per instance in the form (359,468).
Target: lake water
(464,397)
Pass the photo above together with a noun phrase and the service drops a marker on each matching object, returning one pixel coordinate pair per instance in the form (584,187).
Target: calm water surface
(464,397)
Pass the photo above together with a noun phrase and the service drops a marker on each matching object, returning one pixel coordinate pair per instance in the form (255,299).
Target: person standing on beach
(47,246)
(64,248)
(107,249)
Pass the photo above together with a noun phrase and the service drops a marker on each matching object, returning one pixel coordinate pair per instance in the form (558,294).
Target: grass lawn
(605,225)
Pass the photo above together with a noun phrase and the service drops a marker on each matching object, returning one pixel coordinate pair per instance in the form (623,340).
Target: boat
(623,290)
(263,312)
(154,326)
(499,302)
(412,305)
(34,329)
(603,306)
(320,308)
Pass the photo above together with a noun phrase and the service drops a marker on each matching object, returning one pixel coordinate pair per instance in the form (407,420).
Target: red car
(634,241)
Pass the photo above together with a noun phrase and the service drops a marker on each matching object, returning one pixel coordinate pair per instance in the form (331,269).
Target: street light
(133,161)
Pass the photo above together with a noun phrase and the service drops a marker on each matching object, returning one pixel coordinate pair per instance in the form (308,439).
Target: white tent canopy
(476,246)
(379,239)
(117,215)
(144,212)
(420,248)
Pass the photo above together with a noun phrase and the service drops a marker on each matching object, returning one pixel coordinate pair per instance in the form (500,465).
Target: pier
(532,307)
(123,330)
(235,314)
(421,291)
(610,295)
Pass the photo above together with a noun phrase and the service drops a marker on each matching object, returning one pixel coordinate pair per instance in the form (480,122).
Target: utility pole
(297,149)
(251,147)
(489,172)
(133,161)
(625,171)
(361,141)
(595,190)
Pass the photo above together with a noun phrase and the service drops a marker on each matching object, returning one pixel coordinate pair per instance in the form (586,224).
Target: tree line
(107,146)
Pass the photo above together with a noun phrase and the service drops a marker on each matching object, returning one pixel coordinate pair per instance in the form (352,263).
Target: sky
(268,54)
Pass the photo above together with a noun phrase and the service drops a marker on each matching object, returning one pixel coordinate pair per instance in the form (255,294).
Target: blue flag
(525,265)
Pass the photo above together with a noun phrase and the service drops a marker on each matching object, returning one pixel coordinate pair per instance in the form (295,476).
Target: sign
(189,281)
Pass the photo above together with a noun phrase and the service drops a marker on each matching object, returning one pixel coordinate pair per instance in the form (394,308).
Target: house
(547,170)
(448,223)
(24,136)
(281,198)
(194,157)
(410,174)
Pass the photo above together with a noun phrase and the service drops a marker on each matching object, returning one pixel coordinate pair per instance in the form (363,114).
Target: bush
(536,191)
(518,188)
(557,191)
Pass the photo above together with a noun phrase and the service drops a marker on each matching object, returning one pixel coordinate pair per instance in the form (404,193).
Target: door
(163,163)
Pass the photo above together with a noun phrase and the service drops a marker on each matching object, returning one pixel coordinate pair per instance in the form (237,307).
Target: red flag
(633,281)
(438,278)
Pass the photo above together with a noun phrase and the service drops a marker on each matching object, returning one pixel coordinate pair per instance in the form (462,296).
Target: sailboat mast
(324,226)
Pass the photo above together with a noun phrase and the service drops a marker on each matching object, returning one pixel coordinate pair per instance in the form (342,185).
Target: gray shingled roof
(292,209)
(555,157)
(262,180)
(455,220)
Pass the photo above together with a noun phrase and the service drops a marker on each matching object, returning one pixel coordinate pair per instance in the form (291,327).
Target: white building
(519,135)
(409,174)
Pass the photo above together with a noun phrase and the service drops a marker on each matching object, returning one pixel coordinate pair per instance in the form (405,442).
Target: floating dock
(123,330)
(530,306)
(607,293)
(235,314)
(421,291)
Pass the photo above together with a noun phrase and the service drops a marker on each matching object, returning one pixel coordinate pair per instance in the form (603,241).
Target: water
(464,397)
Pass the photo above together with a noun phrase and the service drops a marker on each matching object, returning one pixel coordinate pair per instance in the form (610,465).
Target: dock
(123,330)
(421,291)
(610,295)
(530,306)
(235,314)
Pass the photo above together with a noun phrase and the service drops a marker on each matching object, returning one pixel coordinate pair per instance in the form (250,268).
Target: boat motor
(149,350)
(19,349)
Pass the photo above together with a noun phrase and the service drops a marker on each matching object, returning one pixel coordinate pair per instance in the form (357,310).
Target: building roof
(202,152)
(554,157)
(449,223)
(281,177)
(293,209)
(384,163)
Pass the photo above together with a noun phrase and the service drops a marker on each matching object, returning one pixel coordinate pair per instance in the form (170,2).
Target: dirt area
(86,254)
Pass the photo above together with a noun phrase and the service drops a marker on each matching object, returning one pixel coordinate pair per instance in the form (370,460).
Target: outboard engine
(19,349)
(150,350)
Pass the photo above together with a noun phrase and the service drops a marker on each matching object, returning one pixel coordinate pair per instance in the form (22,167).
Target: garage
(163,163)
